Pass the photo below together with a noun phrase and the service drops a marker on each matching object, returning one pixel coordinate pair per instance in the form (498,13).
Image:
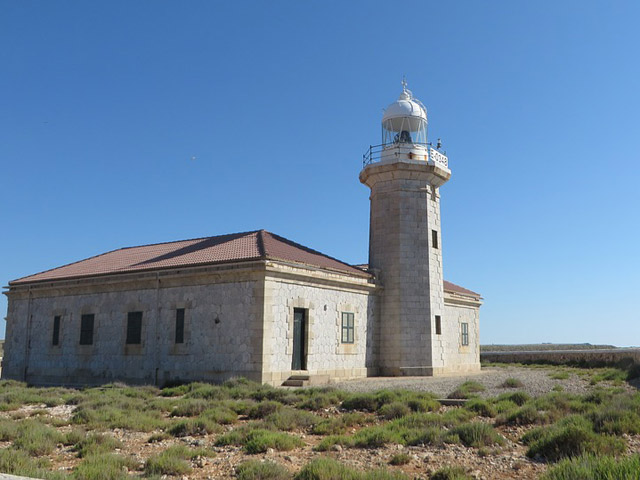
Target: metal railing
(431,155)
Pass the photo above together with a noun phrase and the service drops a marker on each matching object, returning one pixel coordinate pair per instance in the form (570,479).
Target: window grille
(347,327)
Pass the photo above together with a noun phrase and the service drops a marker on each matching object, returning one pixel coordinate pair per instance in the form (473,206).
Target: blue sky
(103,105)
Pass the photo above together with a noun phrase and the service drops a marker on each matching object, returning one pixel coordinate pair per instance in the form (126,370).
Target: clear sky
(124,123)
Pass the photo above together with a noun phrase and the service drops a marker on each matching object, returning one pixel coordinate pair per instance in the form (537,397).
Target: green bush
(95,443)
(259,441)
(570,438)
(288,419)
(327,443)
(394,410)
(450,473)
(561,375)
(592,467)
(467,390)
(190,408)
(329,469)
(107,466)
(264,409)
(512,383)
(255,470)
(223,415)
(477,435)
(400,459)
(481,407)
(194,427)
(338,425)
(526,415)
(366,402)
(172,461)
(36,438)
(16,462)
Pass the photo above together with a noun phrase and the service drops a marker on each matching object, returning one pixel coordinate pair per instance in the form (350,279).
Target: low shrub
(264,409)
(328,469)
(259,441)
(477,435)
(16,462)
(512,383)
(451,473)
(190,408)
(194,427)
(561,375)
(570,438)
(338,425)
(158,437)
(467,389)
(95,443)
(366,402)
(36,438)
(394,410)
(327,443)
(592,467)
(481,407)
(222,415)
(519,398)
(288,419)
(526,415)
(255,470)
(400,459)
(107,466)
(172,461)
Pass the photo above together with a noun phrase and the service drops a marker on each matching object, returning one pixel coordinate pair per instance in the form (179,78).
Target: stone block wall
(326,355)
(222,335)
(452,356)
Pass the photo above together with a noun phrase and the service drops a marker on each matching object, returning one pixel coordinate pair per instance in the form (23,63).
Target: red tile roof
(237,247)
(452,287)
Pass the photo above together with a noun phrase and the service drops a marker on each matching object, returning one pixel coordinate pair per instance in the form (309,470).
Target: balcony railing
(427,153)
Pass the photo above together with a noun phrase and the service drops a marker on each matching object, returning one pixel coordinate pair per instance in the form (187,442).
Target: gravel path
(536,382)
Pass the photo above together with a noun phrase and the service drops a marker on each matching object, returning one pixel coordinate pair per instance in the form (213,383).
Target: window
(86,329)
(55,340)
(347,327)
(465,334)
(180,325)
(438,325)
(134,328)
(434,238)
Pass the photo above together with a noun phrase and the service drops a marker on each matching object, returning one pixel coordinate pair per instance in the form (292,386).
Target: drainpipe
(27,341)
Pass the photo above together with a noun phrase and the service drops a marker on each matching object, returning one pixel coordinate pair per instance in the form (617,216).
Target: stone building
(258,305)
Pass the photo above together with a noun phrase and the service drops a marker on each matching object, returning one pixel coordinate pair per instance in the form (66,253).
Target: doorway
(299,360)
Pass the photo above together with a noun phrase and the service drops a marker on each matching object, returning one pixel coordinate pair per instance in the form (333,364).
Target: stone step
(299,377)
(294,383)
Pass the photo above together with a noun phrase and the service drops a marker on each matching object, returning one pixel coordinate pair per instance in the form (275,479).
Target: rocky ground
(506,462)
(536,381)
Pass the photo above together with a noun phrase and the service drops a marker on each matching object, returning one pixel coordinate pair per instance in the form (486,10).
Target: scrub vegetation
(181,429)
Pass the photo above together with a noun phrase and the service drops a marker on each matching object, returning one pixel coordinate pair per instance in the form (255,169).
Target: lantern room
(405,120)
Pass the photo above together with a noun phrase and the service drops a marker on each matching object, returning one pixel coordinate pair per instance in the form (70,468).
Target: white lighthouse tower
(405,248)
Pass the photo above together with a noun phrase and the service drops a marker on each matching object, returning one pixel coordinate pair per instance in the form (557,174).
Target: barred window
(86,329)
(347,327)
(465,334)
(438,325)
(179,325)
(134,328)
(55,340)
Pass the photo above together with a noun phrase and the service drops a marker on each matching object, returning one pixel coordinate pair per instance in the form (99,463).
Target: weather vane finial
(404,83)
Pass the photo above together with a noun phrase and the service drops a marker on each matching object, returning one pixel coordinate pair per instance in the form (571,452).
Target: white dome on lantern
(406,113)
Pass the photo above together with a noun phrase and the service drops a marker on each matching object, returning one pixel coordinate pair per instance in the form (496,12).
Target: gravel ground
(536,382)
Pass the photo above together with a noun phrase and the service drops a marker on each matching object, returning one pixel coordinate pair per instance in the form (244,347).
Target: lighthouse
(405,173)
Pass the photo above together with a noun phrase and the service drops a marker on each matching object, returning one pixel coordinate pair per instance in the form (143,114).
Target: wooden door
(299,360)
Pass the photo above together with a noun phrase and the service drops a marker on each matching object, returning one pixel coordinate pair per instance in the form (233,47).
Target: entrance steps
(305,380)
